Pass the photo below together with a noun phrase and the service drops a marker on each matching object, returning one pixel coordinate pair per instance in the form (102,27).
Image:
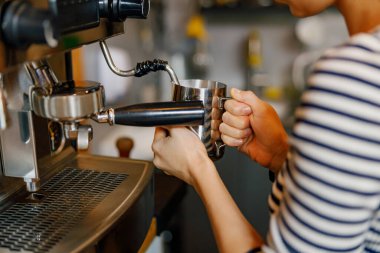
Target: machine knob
(119,10)
(22,25)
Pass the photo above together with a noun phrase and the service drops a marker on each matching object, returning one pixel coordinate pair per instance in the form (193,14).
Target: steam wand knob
(119,10)
(22,25)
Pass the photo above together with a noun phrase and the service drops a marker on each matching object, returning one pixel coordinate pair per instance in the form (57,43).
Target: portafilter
(197,104)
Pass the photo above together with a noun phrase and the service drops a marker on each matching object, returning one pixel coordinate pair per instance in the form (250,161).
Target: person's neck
(360,15)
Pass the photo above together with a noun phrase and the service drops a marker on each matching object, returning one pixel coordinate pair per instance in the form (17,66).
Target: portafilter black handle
(183,113)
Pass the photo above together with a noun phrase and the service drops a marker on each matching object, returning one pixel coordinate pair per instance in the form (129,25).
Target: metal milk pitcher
(213,95)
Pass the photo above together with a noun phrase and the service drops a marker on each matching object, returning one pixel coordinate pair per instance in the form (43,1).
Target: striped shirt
(327,196)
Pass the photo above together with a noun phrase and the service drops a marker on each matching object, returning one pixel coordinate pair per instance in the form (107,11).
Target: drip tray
(66,199)
(73,210)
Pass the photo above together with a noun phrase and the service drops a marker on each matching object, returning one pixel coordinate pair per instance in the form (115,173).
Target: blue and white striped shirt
(327,196)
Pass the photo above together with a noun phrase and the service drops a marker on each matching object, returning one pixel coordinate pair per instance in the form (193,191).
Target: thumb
(246,97)
(160,134)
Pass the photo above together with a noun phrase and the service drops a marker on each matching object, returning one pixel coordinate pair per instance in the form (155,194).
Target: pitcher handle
(221,101)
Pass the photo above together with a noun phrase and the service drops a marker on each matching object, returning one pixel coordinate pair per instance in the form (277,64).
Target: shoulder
(362,43)
(357,60)
(360,51)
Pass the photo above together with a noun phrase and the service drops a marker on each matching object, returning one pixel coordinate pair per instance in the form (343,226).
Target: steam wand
(141,69)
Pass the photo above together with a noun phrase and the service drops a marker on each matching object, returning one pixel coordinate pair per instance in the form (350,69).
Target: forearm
(232,231)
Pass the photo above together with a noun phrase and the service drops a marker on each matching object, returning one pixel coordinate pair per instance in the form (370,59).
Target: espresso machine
(52,197)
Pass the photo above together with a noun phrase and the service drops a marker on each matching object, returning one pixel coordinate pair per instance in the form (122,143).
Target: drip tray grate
(67,198)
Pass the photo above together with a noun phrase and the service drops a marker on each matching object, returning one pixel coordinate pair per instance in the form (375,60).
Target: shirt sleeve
(327,196)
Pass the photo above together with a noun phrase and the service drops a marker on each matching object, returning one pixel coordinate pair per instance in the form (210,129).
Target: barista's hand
(254,127)
(180,153)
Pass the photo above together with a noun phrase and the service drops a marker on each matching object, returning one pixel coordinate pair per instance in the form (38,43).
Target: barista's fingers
(232,142)
(237,108)
(234,132)
(247,97)
(240,122)
(182,132)
(168,129)
(160,135)
(173,131)
(215,124)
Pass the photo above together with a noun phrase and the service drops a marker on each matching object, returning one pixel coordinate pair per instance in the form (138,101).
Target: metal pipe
(111,64)
(173,76)
(141,68)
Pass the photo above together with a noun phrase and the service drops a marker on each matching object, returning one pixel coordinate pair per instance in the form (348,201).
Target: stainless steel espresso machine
(53,198)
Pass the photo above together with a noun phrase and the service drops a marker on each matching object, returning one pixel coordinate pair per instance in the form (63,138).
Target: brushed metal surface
(25,133)
(86,99)
(18,146)
(210,93)
(122,183)
(44,218)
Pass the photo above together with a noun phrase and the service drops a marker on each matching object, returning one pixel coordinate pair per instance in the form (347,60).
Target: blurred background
(248,44)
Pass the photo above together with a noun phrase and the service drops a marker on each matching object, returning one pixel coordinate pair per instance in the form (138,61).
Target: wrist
(202,169)
(279,158)
(277,164)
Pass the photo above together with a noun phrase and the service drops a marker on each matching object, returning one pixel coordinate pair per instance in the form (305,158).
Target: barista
(326,195)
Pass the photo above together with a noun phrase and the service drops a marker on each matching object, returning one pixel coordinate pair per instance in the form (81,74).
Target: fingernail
(247,109)
(235,92)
